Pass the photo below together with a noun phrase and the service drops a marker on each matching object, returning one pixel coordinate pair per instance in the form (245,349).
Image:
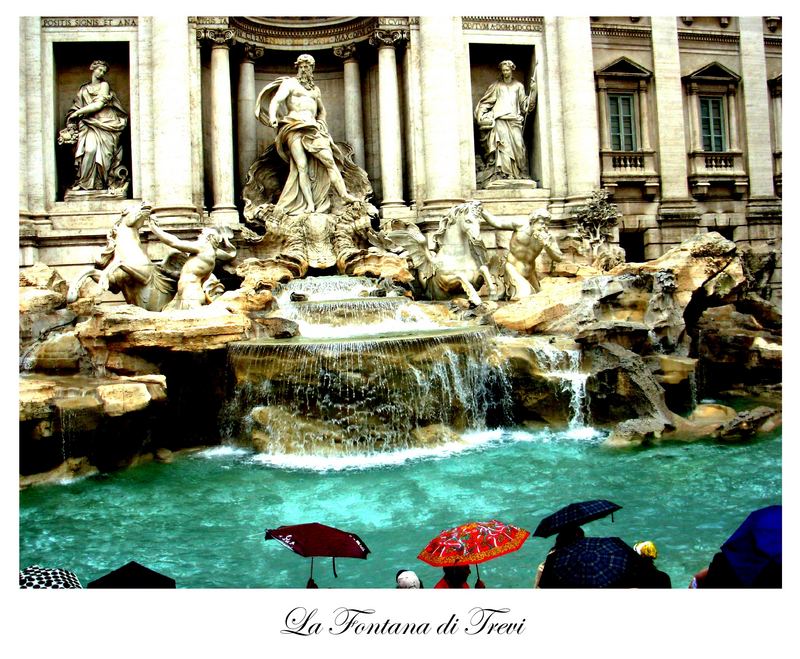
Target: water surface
(201,519)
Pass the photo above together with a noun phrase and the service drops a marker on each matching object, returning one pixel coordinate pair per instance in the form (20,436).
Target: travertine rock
(44,277)
(39,300)
(123,398)
(192,330)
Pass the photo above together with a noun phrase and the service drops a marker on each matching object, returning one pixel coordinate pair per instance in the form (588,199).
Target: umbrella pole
(311,576)
(477,572)
(333,558)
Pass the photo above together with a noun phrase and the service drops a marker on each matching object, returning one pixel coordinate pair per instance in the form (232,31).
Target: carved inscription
(89,21)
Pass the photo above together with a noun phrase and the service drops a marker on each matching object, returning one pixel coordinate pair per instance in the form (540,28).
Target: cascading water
(564,364)
(347,386)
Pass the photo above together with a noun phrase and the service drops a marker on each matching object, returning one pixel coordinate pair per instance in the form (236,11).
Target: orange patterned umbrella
(473,543)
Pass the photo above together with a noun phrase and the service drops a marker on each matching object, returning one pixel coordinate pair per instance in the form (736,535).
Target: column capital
(251,53)
(218,38)
(345,52)
(386,38)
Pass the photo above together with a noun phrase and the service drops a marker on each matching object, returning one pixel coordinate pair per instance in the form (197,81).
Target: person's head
(305,67)
(507,67)
(99,68)
(456,575)
(646,548)
(569,535)
(407,579)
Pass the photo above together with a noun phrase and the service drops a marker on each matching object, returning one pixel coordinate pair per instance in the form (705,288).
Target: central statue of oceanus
(305,200)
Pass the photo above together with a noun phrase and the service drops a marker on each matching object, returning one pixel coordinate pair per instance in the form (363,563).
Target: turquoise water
(201,519)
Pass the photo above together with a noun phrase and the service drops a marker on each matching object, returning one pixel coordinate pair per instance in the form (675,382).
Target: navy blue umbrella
(575,514)
(592,563)
(754,551)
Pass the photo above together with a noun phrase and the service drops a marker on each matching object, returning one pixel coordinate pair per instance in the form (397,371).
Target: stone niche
(484,59)
(72,61)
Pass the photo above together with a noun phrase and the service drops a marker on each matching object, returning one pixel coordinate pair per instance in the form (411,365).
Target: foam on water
(309,462)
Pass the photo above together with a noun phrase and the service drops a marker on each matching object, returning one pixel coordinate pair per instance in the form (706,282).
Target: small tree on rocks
(597,219)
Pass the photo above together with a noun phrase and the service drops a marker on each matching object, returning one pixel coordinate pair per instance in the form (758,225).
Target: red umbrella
(473,543)
(316,539)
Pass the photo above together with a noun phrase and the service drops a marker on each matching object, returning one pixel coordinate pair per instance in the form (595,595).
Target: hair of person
(510,64)
(304,58)
(98,63)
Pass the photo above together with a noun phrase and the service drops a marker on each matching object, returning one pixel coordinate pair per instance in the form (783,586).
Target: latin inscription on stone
(90,21)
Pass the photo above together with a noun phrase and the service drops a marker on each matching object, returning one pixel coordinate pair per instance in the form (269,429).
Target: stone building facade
(678,117)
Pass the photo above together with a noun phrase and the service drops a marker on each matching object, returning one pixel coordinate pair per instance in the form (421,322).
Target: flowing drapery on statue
(95,123)
(500,114)
(317,165)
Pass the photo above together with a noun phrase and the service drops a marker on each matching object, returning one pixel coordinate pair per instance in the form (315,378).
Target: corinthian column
(172,161)
(223,210)
(439,111)
(389,111)
(353,123)
(247,124)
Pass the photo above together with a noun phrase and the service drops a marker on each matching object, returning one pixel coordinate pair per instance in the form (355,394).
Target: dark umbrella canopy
(133,575)
(592,563)
(575,514)
(316,539)
(35,576)
(754,551)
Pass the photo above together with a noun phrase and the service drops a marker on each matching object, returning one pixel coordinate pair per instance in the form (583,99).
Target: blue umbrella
(592,563)
(575,514)
(754,551)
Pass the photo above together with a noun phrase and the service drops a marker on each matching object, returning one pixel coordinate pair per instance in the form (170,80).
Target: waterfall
(364,395)
(564,364)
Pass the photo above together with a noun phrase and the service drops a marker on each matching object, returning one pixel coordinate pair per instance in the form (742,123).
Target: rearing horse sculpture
(125,267)
(458,261)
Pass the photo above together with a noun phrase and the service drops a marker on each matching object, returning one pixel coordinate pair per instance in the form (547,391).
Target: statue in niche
(194,282)
(95,122)
(531,236)
(315,161)
(124,266)
(501,114)
(305,199)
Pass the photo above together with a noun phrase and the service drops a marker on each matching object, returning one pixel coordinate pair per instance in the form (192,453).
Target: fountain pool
(201,519)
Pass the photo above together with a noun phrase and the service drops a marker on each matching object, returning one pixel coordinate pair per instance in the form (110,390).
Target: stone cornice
(304,35)
(707,36)
(503,23)
(621,32)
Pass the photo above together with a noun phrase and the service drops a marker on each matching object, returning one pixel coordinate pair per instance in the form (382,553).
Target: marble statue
(124,267)
(500,115)
(531,236)
(95,123)
(305,199)
(459,259)
(193,284)
(296,111)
